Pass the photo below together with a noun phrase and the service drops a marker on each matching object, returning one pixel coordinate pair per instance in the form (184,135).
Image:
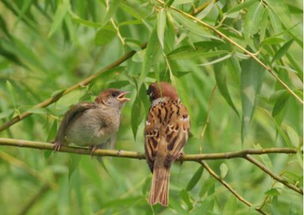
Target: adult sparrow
(166,133)
(92,124)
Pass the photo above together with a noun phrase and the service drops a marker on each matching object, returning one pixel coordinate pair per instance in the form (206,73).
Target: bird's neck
(162,100)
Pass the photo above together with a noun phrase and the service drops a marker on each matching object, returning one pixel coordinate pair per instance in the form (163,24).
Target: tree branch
(273,175)
(225,184)
(57,96)
(139,155)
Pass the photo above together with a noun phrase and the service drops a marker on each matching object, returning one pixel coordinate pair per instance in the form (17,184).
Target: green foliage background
(47,46)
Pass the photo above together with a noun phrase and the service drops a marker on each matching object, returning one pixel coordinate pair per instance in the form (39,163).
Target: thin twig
(228,186)
(252,55)
(82,83)
(273,175)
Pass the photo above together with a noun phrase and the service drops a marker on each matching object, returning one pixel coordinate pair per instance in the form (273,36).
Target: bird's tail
(160,186)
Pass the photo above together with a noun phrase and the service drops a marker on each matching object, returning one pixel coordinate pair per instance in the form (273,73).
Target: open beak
(122,97)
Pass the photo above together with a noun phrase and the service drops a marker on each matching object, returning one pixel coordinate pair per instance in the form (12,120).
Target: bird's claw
(93,150)
(57,146)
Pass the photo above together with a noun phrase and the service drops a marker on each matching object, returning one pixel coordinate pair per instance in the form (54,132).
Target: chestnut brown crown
(161,89)
(112,97)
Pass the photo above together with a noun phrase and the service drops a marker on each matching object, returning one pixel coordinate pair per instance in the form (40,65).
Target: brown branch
(225,184)
(57,96)
(273,175)
(139,155)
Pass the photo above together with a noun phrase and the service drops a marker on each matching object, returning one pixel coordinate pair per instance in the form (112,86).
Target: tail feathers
(160,187)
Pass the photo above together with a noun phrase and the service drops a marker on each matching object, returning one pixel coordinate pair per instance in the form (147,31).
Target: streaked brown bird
(166,132)
(92,124)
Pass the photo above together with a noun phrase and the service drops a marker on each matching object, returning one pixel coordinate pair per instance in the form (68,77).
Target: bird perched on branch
(92,124)
(166,132)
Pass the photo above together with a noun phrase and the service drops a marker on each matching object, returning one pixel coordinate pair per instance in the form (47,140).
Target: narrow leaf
(161,24)
(282,51)
(195,178)
(224,170)
(280,103)
(251,80)
(60,13)
(104,36)
(221,71)
(239,7)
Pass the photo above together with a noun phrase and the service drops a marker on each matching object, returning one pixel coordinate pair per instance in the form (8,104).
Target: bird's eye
(114,94)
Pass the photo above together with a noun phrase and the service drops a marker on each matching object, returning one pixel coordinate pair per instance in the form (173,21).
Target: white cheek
(148,123)
(185,119)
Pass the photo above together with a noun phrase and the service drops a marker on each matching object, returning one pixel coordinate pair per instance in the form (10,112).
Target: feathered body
(92,124)
(166,133)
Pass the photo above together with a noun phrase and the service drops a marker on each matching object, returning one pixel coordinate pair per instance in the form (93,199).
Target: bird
(92,124)
(166,132)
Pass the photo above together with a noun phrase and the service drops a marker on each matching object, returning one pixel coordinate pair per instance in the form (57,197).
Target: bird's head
(160,90)
(112,97)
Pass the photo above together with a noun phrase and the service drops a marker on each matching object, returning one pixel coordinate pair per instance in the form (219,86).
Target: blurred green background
(47,46)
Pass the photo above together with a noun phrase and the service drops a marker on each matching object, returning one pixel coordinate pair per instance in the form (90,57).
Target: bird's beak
(121,97)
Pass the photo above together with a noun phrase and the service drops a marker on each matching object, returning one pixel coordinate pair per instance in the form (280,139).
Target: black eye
(115,94)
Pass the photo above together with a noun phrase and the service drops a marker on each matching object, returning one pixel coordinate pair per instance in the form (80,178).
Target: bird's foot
(93,148)
(181,154)
(57,146)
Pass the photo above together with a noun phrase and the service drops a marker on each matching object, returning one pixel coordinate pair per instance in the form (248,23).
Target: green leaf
(137,113)
(18,50)
(169,34)
(81,21)
(63,196)
(280,103)
(190,54)
(12,93)
(272,41)
(272,192)
(52,132)
(221,72)
(195,178)
(193,26)
(251,81)
(253,19)
(122,202)
(111,9)
(161,24)
(239,7)
(185,196)
(282,51)
(5,114)
(224,170)
(151,55)
(205,207)
(104,36)
(62,8)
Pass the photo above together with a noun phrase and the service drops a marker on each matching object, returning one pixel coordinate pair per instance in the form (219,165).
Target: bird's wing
(70,116)
(167,123)
(177,130)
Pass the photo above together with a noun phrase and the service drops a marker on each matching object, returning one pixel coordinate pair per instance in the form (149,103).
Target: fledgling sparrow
(92,124)
(166,132)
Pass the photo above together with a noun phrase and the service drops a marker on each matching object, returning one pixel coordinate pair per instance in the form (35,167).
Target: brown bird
(166,133)
(92,124)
